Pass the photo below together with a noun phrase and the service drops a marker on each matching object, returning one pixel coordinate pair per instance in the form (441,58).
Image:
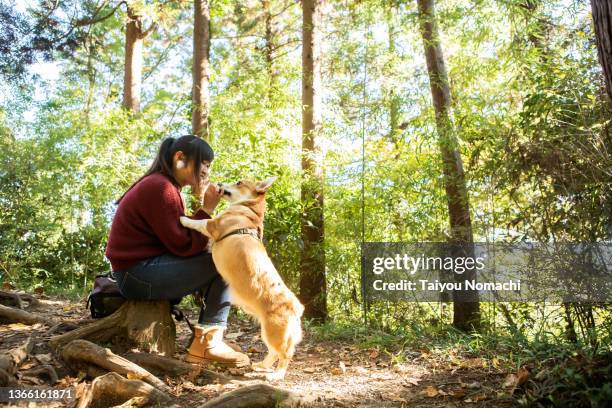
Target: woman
(154,257)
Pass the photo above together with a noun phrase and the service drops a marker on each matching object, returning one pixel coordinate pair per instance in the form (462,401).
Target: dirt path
(333,373)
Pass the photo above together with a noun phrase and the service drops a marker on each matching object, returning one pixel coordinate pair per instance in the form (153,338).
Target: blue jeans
(170,277)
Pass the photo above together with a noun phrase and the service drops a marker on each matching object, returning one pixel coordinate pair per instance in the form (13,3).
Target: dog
(255,285)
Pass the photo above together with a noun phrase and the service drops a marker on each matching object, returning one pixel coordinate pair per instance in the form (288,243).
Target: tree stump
(147,324)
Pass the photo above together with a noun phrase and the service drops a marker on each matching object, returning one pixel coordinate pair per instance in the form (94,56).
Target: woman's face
(186,174)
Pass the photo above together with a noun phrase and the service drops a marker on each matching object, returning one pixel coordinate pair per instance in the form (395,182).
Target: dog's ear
(263,186)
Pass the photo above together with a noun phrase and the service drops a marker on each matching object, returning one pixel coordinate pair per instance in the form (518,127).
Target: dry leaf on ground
(430,391)
(516,380)
(522,375)
(233,336)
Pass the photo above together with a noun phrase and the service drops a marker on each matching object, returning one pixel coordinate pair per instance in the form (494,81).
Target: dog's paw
(185,221)
(276,375)
(261,367)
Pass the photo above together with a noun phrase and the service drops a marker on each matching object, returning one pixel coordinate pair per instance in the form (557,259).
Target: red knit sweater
(147,224)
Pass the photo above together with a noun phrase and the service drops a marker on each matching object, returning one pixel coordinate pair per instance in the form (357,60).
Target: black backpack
(105,297)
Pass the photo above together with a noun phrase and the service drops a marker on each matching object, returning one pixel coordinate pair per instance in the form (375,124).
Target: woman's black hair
(194,148)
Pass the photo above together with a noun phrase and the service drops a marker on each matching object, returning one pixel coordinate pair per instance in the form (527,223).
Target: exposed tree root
(6,379)
(112,389)
(10,299)
(32,301)
(148,324)
(160,365)
(212,377)
(10,362)
(16,299)
(62,327)
(258,396)
(81,355)
(45,369)
(13,315)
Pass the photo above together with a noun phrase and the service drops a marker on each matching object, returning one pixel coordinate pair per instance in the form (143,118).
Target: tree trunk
(132,78)
(313,288)
(466,304)
(200,69)
(602,19)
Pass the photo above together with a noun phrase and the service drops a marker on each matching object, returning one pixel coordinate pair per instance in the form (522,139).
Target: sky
(48,71)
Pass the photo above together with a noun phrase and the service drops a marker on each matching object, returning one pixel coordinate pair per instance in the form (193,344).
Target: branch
(148,31)
(287,7)
(161,58)
(295,40)
(93,20)
(233,37)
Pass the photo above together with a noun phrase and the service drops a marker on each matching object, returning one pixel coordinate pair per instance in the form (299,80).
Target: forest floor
(334,373)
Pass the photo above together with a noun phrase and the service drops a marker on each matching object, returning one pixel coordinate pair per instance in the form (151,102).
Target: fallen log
(148,324)
(79,354)
(112,389)
(13,315)
(258,396)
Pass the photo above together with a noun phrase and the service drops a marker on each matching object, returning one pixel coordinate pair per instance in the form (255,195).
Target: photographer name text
(438,286)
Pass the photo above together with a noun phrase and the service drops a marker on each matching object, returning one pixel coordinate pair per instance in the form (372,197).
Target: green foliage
(57,194)
(528,109)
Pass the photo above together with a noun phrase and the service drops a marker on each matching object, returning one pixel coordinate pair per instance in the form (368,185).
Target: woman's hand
(209,196)
(212,196)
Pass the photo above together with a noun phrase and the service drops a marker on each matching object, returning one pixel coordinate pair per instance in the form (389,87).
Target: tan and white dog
(254,283)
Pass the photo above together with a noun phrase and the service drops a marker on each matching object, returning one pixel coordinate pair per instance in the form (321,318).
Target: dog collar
(243,231)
